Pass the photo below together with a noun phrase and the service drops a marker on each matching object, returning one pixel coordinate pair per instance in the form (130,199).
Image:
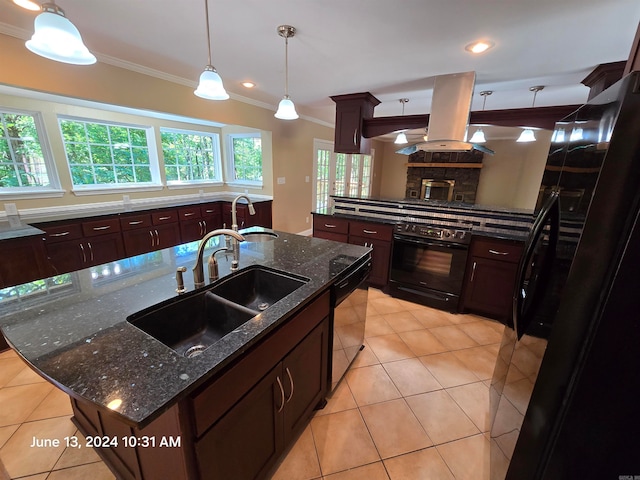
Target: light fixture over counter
(56,38)
(478,135)
(210,86)
(527,134)
(401,138)
(286,108)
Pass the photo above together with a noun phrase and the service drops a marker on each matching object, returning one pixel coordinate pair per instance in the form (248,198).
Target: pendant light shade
(56,38)
(478,136)
(286,108)
(527,135)
(210,86)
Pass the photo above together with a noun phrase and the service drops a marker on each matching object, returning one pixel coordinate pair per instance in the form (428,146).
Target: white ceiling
(392,49)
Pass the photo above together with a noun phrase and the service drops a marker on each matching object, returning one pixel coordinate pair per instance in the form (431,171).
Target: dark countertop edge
(216,368)
(136,207)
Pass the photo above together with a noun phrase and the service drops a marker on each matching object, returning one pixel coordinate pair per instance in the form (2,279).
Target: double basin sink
(192,322)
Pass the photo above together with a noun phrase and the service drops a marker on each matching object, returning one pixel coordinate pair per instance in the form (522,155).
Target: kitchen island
(125,384)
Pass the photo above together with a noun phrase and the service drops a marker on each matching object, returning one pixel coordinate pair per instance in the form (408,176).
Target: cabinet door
(212,216)
(263,216)
(66,256)
(246,442)
(23,260)
(192,230)
(490,287)
(380,258)
(167,235)
(138,241)
(103,248)
(304,374)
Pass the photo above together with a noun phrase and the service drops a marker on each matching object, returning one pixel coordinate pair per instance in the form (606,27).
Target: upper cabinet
(351,111)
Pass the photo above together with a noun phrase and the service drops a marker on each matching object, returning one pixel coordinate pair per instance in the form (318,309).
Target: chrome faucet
(235,246)
(198,269)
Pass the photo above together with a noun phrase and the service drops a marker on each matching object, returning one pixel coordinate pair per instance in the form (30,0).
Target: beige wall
(512,177)
(394,172)
(292,142)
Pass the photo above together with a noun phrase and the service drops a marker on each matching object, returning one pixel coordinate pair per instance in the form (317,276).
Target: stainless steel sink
(257,287)
(191,323)
(259,236)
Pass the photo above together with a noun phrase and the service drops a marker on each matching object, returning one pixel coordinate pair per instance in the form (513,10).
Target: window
(25,166)
(191,156)
(108,155)
(339,174)
(245,153)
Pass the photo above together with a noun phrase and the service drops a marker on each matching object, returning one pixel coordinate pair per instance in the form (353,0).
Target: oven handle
(429,243)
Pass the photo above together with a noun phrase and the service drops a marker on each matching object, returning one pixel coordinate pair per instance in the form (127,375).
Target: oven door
(429,269)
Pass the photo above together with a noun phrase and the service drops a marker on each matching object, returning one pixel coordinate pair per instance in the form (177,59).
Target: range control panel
(436,233)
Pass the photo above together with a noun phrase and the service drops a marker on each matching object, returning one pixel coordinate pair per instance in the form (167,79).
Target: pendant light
(56,38)
(210,86)
(527,134)
(478,136)
(286,108)
(401,138)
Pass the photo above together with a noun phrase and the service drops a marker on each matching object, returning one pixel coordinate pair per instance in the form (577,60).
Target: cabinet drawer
(211,209)
(189,213)
(100,227)
(495,249)
(331,224)
(164,216)
(375,230)
(214,400)
(60,233)
(135,221)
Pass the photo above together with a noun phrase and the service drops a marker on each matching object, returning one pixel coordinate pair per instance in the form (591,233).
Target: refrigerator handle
(521,314)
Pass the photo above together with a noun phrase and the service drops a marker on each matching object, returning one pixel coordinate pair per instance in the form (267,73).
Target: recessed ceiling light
(28,4)
(248,84)
(479,47)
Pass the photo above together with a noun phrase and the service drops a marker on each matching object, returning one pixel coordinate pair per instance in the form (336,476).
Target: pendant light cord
(206,10)
(286,66)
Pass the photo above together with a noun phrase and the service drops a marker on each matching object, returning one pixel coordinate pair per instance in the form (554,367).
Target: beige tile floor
(414,406)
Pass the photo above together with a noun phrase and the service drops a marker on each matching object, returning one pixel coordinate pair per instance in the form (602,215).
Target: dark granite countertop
(13,228)
(76,334)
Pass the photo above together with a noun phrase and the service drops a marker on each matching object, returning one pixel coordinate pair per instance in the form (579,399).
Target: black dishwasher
(349,301)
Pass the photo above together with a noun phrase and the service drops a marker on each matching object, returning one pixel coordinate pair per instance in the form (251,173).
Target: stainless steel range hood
(449,116)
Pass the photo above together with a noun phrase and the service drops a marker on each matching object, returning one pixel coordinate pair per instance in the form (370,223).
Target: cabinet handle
(153,243)
(188,214)
(204,227)
(90,251)
(473,272)
(355,134)
(157,238)
(137,222)
(281,393)
(495,252)
(328,225)
(369,232)
(291,383)
(61,234)
(164,218)
(209,211)
(105,227)
(84,255)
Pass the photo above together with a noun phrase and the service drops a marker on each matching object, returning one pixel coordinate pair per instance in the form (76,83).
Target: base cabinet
(238,424)
(491,276)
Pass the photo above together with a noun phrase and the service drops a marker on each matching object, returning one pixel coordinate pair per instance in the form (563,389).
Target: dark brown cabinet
(377,236)
(23,260)
(351,110)
(74,246)
(261,218)
(490,277)
(238,424)
(147,232)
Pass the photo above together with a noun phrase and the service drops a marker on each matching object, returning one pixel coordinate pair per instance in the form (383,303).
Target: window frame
(230,177)
(106,188)
(54,189)
(217,159)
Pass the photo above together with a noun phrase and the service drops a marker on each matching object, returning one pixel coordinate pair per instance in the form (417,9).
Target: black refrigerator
(565,394)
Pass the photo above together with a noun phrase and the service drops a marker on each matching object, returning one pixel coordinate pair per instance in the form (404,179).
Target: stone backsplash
(466,179)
